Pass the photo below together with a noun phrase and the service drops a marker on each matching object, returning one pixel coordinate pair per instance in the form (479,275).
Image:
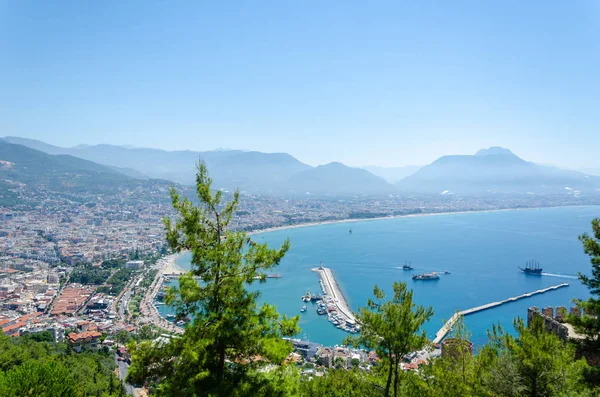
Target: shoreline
(380,218)
(173,268)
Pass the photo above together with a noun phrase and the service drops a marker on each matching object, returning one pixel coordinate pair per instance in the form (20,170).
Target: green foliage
(534,364)
(146,333)
(88,274)
(37,379)
(117,281)
(340,383)
(589,325)
(123,337)
(113,263)
(230,338)
(392,328)
(44,336)
(32,368)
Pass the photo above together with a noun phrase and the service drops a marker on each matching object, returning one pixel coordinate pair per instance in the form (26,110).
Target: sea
(481,250)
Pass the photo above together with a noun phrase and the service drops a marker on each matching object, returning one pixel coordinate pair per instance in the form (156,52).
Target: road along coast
(147,307)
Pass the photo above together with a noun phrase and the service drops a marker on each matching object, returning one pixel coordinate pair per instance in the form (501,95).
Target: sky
(386,83)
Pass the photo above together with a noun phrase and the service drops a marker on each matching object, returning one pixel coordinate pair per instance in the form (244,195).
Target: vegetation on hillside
(30,367)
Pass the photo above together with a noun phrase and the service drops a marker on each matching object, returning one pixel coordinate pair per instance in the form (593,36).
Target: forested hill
(23,166)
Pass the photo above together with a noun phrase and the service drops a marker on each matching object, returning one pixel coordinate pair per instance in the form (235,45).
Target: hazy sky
(363,82)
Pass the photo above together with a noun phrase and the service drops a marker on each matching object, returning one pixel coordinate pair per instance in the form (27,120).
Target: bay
(481,250)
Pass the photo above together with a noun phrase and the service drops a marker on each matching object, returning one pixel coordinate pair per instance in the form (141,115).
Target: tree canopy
(392,328)
(230,337)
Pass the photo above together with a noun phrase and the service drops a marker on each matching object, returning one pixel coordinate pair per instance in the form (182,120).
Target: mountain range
(489,171)
(495,170)
(20,165)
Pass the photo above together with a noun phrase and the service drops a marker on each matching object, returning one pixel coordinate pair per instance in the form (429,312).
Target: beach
(331,222)
(168,265)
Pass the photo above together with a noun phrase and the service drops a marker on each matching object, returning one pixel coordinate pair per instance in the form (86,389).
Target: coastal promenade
(441,334)
(147,307)
(332,289)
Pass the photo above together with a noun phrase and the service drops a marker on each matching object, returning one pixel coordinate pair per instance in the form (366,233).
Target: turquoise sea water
(481,250)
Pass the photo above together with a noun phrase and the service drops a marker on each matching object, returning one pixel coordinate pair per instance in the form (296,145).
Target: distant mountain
(591,171)
(337,179)
(23,165)
(392,174)
(229,169)
(495,170)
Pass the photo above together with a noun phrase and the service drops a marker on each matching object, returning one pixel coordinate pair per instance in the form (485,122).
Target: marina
(333,302)
(441,334)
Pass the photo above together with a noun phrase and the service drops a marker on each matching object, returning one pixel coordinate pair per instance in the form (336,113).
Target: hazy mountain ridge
(229,169)
(337,179)
(489,171)
(494,170)
(252,171)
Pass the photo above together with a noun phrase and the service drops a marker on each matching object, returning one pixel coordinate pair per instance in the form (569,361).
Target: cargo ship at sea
(532,267)
(426,276)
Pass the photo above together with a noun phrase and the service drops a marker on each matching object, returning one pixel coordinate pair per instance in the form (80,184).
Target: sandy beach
(279,228)
(168,265)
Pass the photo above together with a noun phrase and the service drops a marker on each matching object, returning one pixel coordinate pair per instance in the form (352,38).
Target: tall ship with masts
(532,267)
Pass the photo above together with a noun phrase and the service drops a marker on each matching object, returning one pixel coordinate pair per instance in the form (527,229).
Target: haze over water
(481,250)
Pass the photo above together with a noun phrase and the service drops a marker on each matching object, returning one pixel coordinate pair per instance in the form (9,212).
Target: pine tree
(589,323)
(230,336)
(392,328)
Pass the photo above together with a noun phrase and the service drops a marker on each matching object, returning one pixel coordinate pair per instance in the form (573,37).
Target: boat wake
(559,275)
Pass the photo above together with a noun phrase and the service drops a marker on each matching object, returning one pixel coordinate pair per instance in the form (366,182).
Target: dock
(331,289)
(441,334)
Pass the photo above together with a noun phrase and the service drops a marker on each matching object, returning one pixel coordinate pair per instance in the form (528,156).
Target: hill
(495,170)
(230,169)
(337,179)
(64,173)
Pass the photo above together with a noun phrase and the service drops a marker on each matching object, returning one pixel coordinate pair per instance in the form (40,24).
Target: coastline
(173,268)
(169,265)
(331,222)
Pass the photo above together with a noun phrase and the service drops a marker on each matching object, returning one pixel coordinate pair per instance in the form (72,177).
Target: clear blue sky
(385,83)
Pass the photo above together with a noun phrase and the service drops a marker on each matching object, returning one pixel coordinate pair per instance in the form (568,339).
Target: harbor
(441,334)
(333,302)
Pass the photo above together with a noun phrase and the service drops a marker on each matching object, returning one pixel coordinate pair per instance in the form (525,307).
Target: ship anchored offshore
(532,267)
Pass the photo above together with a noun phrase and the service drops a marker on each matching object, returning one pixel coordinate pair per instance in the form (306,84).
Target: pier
(331,288)
(441,334)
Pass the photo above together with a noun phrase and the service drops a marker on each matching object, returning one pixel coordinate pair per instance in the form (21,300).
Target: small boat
(350,231)
(407,266)
(303,309)
(170,316)
(446,272)
(306,297)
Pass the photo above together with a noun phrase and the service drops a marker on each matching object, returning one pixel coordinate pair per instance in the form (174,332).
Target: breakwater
(336,302)
(441,334)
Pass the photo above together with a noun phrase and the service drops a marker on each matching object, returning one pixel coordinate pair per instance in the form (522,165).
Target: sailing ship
(532,267)
(407,266)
